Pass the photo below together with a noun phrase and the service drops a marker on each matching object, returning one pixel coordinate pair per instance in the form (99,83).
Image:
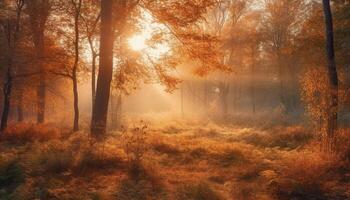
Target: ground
(178,160)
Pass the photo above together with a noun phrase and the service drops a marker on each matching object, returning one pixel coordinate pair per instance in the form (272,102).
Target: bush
(196,191)
(134,143)
(24,133)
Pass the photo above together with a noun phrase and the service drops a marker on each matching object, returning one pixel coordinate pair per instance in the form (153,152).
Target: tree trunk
(20,116)
(41,89)
(332,76)
(11,38)
(93,80)
(76,105)
(38,12)
(224,88)
(182,101)
(75,66)
(7,95)
(41,101)
(281,78)
(99,115)
(119,111)
(252,81)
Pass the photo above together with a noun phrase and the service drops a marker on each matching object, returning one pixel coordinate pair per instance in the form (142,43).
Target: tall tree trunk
(76,105)
(99,115)
(20,116)
(41,89)
(252,80)
(11,38)
(38,11)
(7,95)
(93,80)
(281,78)
(182,101)
(41,98)
(7,88)
(77,7)
(119,111)
(223,95)
(206,95)
(332,76)
(253,92)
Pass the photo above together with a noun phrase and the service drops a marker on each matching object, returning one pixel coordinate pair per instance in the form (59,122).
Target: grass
(194,163)
(11,175)
(196,191)
(290,138)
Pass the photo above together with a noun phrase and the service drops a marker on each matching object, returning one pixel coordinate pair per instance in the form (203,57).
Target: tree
(99,114)
(39,11)
(332,76)
(69,48)
(10,27)
(91,20)
(77,11)
(282,21)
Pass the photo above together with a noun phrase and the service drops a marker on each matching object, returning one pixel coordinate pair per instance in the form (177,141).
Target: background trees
(226,54)
(38,14)
(11,25)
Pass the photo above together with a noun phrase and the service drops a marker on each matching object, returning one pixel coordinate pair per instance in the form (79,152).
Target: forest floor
(177,161)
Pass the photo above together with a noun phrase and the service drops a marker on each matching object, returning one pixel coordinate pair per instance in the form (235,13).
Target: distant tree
(68,50)
(281,22)
(38,12)
(91,16)
(253,40)
(10,29)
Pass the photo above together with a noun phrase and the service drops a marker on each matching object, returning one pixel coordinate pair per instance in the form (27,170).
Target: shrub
(134,143)
(24,133)
(196,191)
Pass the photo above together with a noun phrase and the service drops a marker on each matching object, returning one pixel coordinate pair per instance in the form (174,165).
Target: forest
(175,99)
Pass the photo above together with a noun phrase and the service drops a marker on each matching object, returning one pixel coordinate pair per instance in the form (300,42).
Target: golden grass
(196,163)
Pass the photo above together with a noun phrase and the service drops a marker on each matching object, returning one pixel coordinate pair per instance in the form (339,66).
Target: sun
(145,42)
(138,42)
